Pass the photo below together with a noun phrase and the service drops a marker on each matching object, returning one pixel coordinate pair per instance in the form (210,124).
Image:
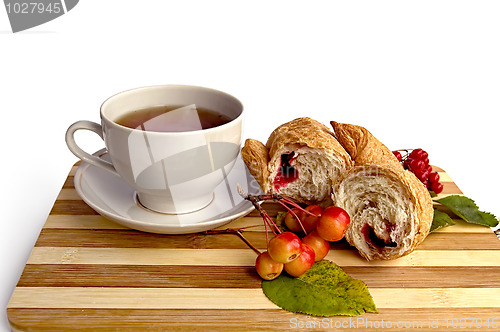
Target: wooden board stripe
(245,257)
(220,298)
(150,298)
(460,241)
(463,227)
(73,208)
(193,276)
(450,188)
(81,222)
(69,183)
(79,207)
(68,194)
(420,319)
(444,177)
(139,276)
(99,238)
(256,223)
(105,238)
(73,169)
(242,320)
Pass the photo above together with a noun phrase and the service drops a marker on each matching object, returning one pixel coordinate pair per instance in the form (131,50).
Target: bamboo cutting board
(88,273)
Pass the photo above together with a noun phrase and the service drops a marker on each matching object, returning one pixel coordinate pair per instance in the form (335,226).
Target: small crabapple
(291,221)
(284,247)
(320,246)
(266,267)
(303,263)
(310,221)
(333,223)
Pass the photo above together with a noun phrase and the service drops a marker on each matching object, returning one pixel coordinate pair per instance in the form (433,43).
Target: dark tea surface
(172,118)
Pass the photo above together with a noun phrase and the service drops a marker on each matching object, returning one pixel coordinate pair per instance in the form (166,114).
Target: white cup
(172,172)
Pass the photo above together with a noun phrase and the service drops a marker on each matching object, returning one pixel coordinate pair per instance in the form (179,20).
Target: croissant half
(301,159)
(390,209)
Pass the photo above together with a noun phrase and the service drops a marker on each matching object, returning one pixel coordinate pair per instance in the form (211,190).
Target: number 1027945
(33,7)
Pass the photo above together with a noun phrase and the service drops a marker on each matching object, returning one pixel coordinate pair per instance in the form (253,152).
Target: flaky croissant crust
(403,189)
(305,132)
(362,146)
(300,134)
(256,157)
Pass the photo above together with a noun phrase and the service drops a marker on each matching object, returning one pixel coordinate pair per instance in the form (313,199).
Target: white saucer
(111,197)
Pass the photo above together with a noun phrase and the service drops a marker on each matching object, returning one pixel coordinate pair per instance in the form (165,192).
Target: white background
(415,73)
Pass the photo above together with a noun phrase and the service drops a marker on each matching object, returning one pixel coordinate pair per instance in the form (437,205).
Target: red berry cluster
(417,161)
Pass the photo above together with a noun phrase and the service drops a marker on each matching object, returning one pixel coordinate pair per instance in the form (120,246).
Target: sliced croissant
(391,211)
(300,160)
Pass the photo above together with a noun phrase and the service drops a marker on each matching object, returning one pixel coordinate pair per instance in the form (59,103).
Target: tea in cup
(172,143)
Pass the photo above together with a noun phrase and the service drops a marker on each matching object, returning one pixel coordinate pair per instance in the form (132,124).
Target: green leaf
(280,221)
(467,209)
(441,219)
(324,290)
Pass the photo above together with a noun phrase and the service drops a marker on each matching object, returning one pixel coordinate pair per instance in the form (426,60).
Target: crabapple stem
(294,215)
(292,203)
(256,199)
(266,217)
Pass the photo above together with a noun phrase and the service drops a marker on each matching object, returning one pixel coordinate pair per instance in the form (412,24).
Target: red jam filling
(286,173)
(373,239)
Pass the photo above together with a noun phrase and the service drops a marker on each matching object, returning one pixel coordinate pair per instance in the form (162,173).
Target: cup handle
(84,156)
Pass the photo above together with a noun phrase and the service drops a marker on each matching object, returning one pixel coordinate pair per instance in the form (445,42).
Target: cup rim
(173,133)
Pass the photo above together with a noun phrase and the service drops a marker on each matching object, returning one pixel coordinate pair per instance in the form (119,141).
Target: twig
(236,232)
(256,199)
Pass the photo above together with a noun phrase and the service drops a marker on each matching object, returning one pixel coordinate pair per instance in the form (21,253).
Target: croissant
(300,160)
(391,210)
(362,146)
